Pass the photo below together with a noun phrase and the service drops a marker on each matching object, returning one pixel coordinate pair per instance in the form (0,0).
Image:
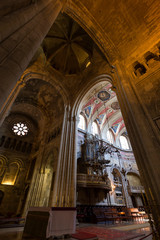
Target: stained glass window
(20,129)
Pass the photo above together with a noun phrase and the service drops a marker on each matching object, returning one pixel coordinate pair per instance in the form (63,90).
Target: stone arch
(11,173)
(80,98)
(3,164)
(134,179)
(28,74)
(86,89)
(121,132)
(111,121)
(19,162)
(80,14)
(4,160)
(134,172)
(39,74)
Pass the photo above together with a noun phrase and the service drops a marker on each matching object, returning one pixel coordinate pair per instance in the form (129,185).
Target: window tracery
(20,129)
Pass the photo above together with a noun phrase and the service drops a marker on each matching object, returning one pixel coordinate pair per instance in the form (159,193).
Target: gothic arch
(81,15)
(111,121)
(135,172)
(11,173)
(85,121)
(19,162)
(4,160)
(3,164)
(39,74)
(133,179)
(86,89)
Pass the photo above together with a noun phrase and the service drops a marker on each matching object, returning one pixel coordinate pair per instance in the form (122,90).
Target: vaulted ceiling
(130,27)
(101,105)
(67,46)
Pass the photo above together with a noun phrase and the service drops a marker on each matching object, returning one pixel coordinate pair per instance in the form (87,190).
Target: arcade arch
(98,110)
(135,113)
(41,107)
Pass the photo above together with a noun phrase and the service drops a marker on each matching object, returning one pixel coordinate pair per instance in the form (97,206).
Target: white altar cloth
(61,221)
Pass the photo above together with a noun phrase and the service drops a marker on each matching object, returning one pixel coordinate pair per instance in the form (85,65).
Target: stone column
(144,140)
(64,193)
(22,32)
(10,100)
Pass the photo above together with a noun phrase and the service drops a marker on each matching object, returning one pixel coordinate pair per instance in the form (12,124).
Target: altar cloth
(49,222)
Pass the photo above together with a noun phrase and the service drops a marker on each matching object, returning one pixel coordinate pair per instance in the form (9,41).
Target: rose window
(20,129)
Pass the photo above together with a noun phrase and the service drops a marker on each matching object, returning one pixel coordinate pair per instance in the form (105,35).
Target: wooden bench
(96,214)
(135,214)
(113,215)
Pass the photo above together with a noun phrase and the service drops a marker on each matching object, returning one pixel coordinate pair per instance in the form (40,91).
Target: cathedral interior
(80,112)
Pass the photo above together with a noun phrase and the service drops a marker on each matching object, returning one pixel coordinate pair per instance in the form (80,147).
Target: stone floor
(142,229)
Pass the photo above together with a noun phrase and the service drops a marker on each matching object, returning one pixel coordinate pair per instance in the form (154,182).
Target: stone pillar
(64,193)
(10,100)
(144,139)
(22,32)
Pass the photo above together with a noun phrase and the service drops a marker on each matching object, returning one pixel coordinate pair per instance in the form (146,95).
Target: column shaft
(18,47)
(64,193)
(143,138)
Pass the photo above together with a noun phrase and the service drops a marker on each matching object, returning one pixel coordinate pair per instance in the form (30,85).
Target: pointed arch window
(82,122)
(95,129)
(11,174)
(110,137)
(124,142)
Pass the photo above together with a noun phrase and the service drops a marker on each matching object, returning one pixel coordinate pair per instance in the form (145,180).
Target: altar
(48,222)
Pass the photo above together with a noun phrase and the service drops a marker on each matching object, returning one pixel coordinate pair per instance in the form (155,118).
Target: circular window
(20,129)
